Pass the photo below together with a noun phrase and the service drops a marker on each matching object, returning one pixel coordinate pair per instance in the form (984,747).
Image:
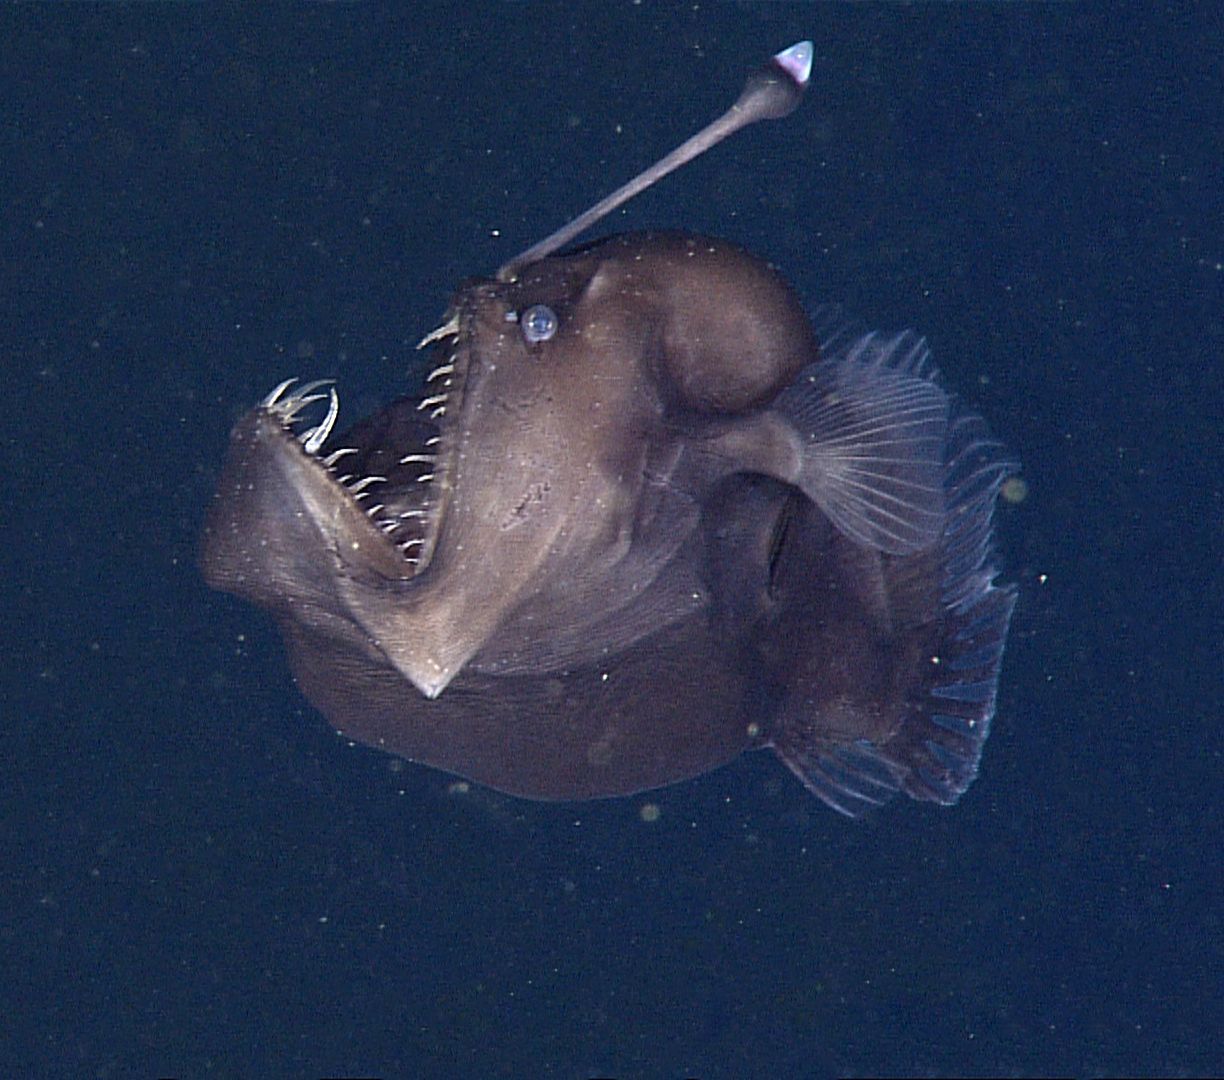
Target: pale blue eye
(539,323)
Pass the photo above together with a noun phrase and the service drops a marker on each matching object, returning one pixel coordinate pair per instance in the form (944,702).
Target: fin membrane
(935,489)
(873,425)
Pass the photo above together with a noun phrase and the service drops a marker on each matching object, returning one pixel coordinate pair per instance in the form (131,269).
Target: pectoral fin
(872,428)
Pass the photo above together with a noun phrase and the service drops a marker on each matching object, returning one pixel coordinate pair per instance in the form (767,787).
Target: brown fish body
(635,524)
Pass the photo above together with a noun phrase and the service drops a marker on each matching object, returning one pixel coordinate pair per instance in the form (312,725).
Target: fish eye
(539,323)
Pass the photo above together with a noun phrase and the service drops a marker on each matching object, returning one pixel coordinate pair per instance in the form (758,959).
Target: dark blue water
(198,878)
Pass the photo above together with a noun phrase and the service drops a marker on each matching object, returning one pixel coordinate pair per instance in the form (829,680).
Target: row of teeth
(287,406)
(436,403)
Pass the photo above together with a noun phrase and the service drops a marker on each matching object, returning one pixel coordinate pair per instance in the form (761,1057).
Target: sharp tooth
(427,459)
(447,329)
(425,479)
(287,406)
(336,455)
(274,397)
(365,482)
(445,369)
(314,440)
(301,397)
(310,388)
(372,510)
(292,405)
(437,399)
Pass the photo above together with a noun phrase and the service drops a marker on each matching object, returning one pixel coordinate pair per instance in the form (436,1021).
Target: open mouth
(395,465)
